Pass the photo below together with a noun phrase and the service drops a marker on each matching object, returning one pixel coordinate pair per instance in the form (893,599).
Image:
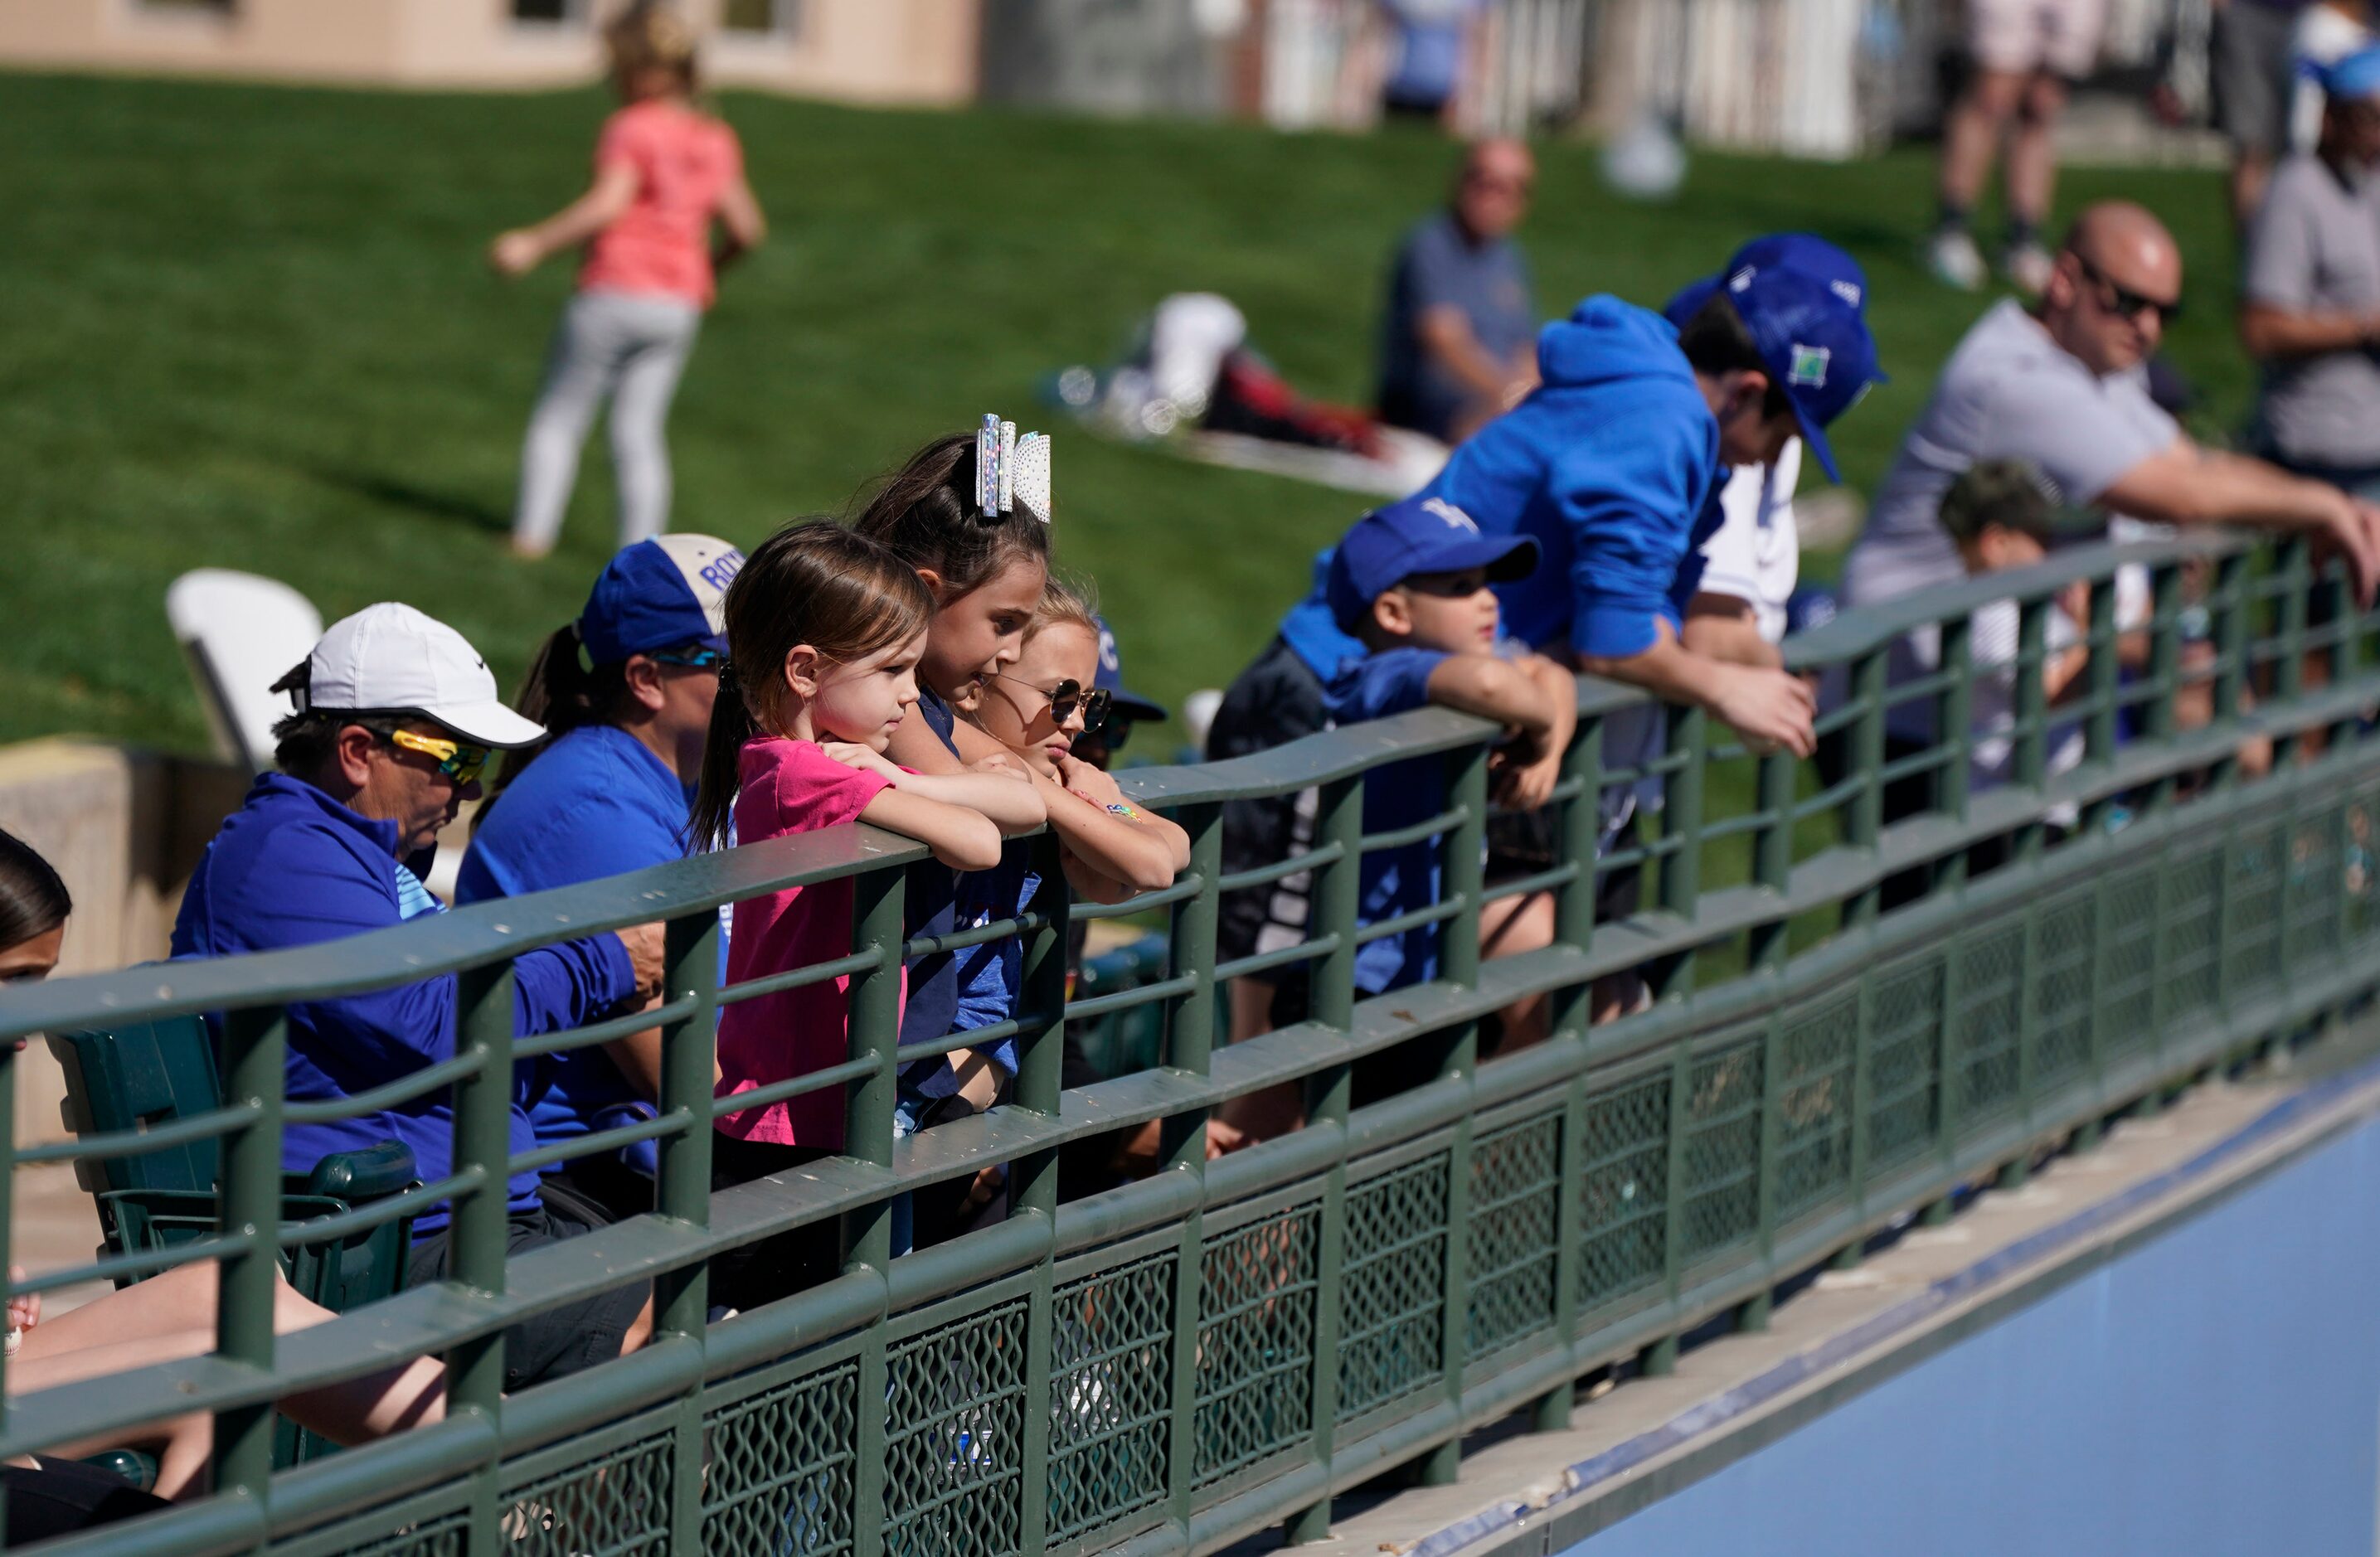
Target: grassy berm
(250,327)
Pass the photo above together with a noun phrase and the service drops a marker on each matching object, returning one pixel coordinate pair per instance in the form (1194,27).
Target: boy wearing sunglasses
(397,715)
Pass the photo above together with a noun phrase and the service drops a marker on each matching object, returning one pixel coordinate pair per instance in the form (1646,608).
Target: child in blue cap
(1415,583)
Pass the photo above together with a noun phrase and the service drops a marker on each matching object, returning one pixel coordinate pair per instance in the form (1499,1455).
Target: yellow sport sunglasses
(457,760)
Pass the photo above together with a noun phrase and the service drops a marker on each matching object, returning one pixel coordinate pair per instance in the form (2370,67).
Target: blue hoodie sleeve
(570,984)
(1630,508)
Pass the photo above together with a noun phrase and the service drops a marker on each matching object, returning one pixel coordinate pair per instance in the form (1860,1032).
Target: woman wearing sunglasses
(625,693)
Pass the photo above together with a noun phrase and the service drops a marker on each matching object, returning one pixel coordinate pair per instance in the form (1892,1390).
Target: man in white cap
(397,715)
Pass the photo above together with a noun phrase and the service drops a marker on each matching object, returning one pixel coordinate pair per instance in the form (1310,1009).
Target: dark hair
(303,743)
(812,582)
(2013,494)
(1716,340)
(33,901)
(924,514)
(561,692)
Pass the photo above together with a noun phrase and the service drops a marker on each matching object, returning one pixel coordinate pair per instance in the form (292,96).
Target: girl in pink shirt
(825,630)
(664,169)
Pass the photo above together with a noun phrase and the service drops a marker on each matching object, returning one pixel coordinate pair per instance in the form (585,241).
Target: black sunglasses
(1066,696)
(2122,301)
(695,659)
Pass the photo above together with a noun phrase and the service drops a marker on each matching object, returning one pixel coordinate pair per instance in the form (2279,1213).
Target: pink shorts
(2021,37)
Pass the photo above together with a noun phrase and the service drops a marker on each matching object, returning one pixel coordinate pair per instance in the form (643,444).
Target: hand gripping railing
(1221,1346)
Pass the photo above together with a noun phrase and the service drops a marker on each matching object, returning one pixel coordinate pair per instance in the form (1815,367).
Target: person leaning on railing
(625,693)
(166,1318)
(397,715)
(2062,388)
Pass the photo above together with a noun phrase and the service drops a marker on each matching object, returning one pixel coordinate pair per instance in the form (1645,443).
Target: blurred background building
(1810,77)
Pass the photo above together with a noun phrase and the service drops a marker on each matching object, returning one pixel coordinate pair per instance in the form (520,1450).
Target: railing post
(681,1298)
(476,1229)
(2158,720)
(1681,868)
(254,1066)
(873,999)
(1582,830)
(2102,676)
(1334,903)
(1190,1044)
(1464,857)
(1772,853)
(1040,1085)
(2296,576)
(2029,752)
(1954,729)
(1864,757)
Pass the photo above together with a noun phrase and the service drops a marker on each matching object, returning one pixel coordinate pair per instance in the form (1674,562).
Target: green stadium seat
(149,1074)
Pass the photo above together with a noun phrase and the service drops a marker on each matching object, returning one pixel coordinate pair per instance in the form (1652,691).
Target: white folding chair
(240,634)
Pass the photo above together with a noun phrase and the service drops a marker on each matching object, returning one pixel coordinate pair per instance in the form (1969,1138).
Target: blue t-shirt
(596,803)
(1438,267)
(928,899)
(1428,63)
(1394,881)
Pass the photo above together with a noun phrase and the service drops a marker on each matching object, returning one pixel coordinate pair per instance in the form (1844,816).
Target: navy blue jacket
(293,867)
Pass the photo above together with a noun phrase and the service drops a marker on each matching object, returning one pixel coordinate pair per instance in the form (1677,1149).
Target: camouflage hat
(2014,494)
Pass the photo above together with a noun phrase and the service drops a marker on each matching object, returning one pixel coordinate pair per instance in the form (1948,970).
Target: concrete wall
(124,827)
(2216,1394)
(871,51)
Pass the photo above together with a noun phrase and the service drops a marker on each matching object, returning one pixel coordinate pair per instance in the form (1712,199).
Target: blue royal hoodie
(293,867)
(1612,464)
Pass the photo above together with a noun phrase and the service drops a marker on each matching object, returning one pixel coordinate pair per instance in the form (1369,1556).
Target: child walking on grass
(827,630)
(664,169)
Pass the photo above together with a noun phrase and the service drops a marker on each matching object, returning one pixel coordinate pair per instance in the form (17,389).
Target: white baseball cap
(390,659)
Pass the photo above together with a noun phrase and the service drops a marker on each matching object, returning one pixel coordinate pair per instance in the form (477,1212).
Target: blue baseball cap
(2356,75)
(1807,252)
(1815,343)
(660,594)
(1420,535)
(1110,680)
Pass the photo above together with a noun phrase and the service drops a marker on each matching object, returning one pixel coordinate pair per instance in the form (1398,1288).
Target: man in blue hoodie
(1614,466)
(397,715)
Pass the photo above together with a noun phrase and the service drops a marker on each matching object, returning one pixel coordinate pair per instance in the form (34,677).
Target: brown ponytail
(924,514)
(563,693)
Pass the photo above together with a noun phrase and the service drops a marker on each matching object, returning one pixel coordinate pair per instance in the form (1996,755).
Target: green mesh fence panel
(2128,994)
(2317,886)
(954,1438)
(1624,1198)
(1814,1107)
(1722,1187)
(1392,1290)
(1988,1030)
(1111,1394)
(780,1473)
(1515,1203)
(610,1504)
(1904,1049)
(2189,950)
(1256,1341)
(2064,954)
(2252,928)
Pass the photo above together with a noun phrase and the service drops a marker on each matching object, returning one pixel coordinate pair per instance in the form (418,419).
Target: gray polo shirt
(2008,392)
(2315,248)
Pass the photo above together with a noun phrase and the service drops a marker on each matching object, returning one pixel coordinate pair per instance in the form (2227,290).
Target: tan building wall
(864,51)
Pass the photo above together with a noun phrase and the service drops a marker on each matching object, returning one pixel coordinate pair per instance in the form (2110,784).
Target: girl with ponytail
(829,629)
(625,693)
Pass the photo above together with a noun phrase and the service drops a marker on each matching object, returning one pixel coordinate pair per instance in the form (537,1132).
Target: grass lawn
(250,327)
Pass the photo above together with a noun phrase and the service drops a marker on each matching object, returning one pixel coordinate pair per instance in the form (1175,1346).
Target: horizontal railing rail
(1872,981)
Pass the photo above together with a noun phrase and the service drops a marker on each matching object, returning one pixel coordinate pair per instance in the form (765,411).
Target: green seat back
(142,1075)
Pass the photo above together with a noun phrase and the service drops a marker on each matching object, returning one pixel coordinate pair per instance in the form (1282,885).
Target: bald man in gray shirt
(2061,388)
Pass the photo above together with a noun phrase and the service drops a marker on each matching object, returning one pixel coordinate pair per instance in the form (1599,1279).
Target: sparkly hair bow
(1010,470)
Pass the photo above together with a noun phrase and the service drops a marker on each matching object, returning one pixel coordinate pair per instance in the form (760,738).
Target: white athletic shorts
(2021,37)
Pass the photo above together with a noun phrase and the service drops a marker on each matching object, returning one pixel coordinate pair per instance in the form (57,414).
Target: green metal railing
(1169,1365)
